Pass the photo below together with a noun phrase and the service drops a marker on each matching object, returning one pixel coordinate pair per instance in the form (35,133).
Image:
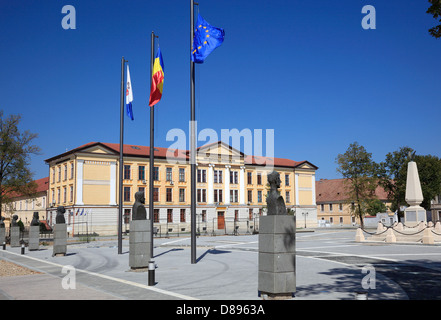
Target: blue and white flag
(129,96)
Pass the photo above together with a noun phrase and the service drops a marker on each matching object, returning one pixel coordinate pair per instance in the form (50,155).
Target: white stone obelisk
(414,196)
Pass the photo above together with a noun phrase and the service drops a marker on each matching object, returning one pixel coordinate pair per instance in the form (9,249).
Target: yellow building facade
(231,187)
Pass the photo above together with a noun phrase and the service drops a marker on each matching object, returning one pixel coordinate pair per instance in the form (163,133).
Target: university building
(231,187)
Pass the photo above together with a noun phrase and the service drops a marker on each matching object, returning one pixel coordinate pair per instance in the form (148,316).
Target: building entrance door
(221,219)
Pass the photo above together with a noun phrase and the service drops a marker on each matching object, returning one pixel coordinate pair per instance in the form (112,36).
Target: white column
(210,184)
(227,185)
(296,182)
(79,191)
(113,183)
(313,189)
(242,185)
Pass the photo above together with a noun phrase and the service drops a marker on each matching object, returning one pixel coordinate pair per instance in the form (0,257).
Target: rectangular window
(202,175)
(156,215)
(201,195)
(59,173)
(287,179)
(181,174)
(64,194)
(330,207)
(233,177)
(236,215)
(127,172)
(168,194)
(233,196)
(141,172)
(259,178)
(340,206)
(217,176)
(155,173)
(181,195)
(65,171)
(141,189)
(259,196)
(204,215)
(250,195)
(287,196)
(155,194)
(71,170)
(182,215)
(218,195)
(250,214)
(127,216)
(169,174)
(126,194)
(169,215)
(322,208)
(249,177)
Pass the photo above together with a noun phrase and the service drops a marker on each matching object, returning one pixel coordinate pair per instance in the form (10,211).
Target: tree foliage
(435,11)
(15,150)
(358,169)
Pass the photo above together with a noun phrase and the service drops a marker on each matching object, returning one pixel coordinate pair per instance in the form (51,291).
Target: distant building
(231,187)
(435,208)
(388,219)
(334,205)
(25,206)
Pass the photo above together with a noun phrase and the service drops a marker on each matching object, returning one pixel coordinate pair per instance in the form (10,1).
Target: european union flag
(206,39)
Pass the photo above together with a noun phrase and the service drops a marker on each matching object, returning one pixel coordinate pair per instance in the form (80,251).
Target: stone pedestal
(34,238)
(60,240)
(15,236)
(2,235)
(414,214)
(139,244)
(277,258)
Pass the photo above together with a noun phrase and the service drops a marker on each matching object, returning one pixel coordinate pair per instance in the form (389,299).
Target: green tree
(15,150)
(429,171)
(375,206)
(392,174)
(435,11)
(358,169)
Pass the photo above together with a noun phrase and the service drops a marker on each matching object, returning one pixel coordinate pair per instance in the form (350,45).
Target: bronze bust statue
(35,220)
(138,209)
(14,221)
(59,219)
(275,202)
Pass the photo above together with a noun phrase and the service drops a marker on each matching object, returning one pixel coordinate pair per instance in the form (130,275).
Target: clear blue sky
(306,69)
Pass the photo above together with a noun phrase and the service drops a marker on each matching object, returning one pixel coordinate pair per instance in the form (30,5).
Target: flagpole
(152,148)
(192,142)
(121,160)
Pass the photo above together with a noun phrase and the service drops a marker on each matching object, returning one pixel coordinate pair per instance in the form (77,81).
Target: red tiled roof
(144,151)
(334,190)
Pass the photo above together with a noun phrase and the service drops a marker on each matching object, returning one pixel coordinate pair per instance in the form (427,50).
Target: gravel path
(9,269)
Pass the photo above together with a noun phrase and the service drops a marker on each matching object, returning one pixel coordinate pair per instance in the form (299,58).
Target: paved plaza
(330,266)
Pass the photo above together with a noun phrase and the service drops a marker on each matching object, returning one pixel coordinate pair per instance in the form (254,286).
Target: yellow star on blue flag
(206,39)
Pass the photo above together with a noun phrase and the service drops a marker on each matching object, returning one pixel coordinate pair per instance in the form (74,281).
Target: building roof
(144,151)
(42,186)
(334,190)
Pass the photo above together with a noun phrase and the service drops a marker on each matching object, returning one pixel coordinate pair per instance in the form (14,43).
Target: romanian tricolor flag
(157,79)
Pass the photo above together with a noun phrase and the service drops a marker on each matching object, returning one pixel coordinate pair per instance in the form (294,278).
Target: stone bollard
(399,227)
(60,240)
(2,235)
(34,238)
(438,227)
(380,227)
(428,236)
(359,236)
(390,236)
(15,236)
